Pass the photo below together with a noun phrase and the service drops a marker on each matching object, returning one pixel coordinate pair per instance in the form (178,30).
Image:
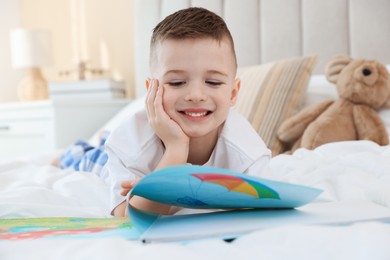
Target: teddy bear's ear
(335,66)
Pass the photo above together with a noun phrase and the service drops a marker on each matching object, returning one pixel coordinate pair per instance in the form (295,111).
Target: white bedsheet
(346,170)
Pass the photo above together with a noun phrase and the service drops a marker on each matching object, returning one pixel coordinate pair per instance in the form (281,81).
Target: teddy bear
(363,87)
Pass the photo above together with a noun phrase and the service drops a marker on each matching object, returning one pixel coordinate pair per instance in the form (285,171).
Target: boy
(187,116)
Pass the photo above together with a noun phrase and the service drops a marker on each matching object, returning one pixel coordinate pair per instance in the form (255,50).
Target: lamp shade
(30,48)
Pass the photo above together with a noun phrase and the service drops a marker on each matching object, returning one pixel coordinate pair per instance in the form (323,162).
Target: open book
(198,187)
(249,203)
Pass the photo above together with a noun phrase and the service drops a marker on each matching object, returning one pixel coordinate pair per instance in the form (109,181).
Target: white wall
(9,77)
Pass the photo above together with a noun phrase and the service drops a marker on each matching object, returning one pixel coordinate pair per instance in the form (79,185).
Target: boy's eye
(176,83)
(213,82)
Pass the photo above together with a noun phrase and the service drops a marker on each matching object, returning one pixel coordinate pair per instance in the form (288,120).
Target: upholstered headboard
(268,30)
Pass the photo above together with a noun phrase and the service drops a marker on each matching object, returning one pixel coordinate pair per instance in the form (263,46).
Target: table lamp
(31,49)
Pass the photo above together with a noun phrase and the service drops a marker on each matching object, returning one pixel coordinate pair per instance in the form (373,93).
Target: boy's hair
(193,22)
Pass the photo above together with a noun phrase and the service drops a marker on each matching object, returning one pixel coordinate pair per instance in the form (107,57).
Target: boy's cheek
(168,103)
(166,99)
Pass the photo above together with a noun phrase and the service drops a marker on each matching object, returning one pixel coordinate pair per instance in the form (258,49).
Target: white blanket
(345,170)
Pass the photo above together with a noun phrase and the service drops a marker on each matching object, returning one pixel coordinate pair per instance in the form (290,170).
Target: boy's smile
(198,77)
(196,113)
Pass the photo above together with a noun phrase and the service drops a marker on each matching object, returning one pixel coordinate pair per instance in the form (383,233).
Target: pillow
(319,89)
(272,92)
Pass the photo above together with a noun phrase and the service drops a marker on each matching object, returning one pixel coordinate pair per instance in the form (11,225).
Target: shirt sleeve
(260,167)
(114,172)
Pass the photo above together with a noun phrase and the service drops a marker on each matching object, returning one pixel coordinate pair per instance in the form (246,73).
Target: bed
(279,39)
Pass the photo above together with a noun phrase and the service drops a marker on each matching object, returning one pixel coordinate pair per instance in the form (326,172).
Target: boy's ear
(148,83)
(235,90)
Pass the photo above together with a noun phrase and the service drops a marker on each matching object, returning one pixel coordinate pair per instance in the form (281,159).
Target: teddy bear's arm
(369,125)
(292,128)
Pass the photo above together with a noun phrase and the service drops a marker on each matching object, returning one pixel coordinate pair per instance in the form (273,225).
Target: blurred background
(98,33)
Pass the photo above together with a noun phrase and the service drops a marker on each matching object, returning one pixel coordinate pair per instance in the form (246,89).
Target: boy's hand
(167,130)
(141,203)
(128,185)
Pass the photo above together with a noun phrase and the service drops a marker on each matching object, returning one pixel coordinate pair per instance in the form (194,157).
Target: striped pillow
(272,92)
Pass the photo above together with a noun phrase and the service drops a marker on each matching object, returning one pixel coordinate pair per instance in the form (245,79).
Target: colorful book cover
(66,228)
(203,187)
(200,187)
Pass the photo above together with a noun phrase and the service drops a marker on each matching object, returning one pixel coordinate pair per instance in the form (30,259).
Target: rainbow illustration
(238,184)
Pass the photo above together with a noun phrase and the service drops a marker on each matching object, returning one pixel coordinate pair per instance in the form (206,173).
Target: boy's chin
(195,134)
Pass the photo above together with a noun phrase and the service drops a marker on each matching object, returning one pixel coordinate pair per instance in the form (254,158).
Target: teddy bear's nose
(366,72)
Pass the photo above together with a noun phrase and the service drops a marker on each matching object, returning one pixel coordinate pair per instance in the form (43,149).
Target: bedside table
(42,126)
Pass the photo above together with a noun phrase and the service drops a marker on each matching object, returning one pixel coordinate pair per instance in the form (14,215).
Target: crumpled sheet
(344,170)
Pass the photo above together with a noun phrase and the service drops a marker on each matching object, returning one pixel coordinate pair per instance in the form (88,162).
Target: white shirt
(134,150)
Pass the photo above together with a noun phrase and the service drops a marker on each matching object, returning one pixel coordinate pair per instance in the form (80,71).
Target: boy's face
(198,77)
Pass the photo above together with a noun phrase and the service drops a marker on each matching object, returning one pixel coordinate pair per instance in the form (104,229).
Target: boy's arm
(120,210)
(176,144)
(168,159)
(171,157)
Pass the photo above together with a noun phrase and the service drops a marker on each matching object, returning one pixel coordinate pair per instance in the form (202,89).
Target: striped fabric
(272,92)
(84,157)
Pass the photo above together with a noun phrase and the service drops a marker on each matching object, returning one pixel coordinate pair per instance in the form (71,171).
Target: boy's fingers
(158,101)
(124,192)
(151,98)
(130,183)
(127,184)
(148,97)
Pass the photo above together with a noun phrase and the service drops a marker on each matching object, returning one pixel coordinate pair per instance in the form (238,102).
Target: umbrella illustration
(239,184)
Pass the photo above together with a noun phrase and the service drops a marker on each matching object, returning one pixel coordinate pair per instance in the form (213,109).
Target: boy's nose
(196,93)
